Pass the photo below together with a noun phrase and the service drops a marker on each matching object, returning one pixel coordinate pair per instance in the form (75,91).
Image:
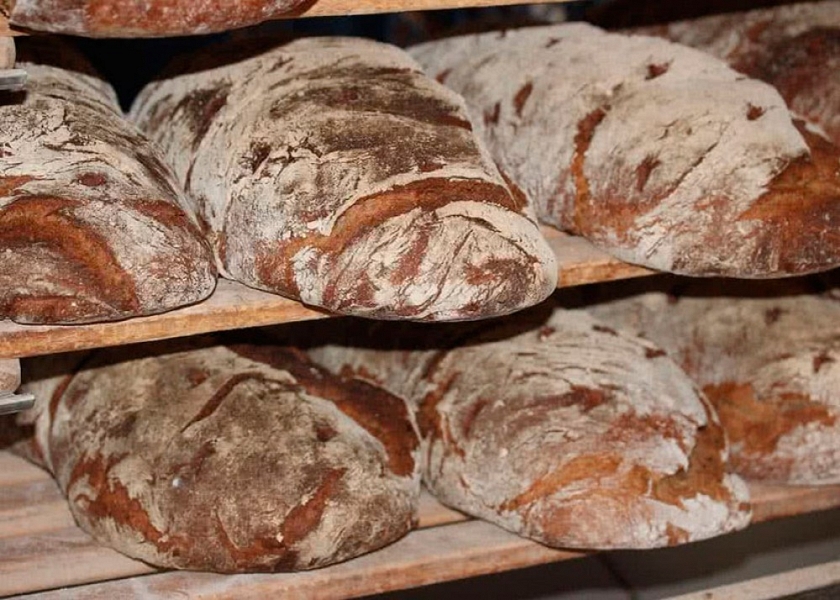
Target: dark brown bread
(227,458)
(558,428)
(662,156)
(767,356)
(149,18)
(93,226)
(795,48)
(331,170)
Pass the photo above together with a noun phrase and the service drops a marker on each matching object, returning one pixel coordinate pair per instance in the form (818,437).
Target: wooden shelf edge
(335,8)
(235,306)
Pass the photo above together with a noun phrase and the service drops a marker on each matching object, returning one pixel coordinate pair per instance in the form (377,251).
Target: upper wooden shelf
(332,8)
(235,306)
(41,548)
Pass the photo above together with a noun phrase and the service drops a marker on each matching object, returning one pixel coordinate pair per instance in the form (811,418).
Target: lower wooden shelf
(42,549)
(235,306)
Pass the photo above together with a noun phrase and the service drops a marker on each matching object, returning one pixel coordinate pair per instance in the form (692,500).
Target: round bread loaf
(93,226)
(659,154)
(333,171)
(560,429)
(768,358)
(227,458)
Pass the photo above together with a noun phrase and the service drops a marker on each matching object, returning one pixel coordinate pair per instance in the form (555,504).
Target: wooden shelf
(235,306)
(41,548)
(331,8)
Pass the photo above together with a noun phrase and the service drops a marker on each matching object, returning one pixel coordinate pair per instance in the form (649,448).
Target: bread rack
(41,549)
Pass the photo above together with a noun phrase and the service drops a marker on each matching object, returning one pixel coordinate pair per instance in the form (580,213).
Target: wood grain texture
(327,8)
(42,549)
(235,306)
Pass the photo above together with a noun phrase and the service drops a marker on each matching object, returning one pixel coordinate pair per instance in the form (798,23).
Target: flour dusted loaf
(147,18)
(768,357)
(659,154)
(560,429)
(226,458)
(795,47)
(93,226)
(333,171)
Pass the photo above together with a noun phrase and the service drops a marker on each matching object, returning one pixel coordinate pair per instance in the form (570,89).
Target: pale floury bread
(93,225)
(767,356)
(558,428)
(658,153)
(794,47)
(196,455)
(332,170)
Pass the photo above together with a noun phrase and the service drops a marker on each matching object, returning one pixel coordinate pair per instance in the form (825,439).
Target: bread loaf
(659,154)
(795,48)
(768,358)
(227,458)
(560,429)
(150,18)
(93,226)
(331,170)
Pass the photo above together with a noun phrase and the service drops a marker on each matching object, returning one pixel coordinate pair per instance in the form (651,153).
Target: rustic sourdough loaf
(333,171)
(767,356)
(93,226)
(225,458)
(558,428)
(658,153)
(795,48)
(149,18)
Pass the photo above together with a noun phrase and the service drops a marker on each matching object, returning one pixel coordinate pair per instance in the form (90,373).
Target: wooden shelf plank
(235,306)
(330,8)
(424,557)
(40,549)
(232,306)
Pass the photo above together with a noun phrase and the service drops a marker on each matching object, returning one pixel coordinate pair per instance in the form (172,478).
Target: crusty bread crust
(93,226)
(795,48)
(558,428)
(333,171)
(767,357)
(235,458)
(660,155)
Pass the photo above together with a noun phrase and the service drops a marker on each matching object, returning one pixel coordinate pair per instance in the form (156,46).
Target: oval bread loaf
(768,358)
(795,48)
(331,170)
(227,458)
(93,226)
(560,429)
(659,154)
(150,18)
